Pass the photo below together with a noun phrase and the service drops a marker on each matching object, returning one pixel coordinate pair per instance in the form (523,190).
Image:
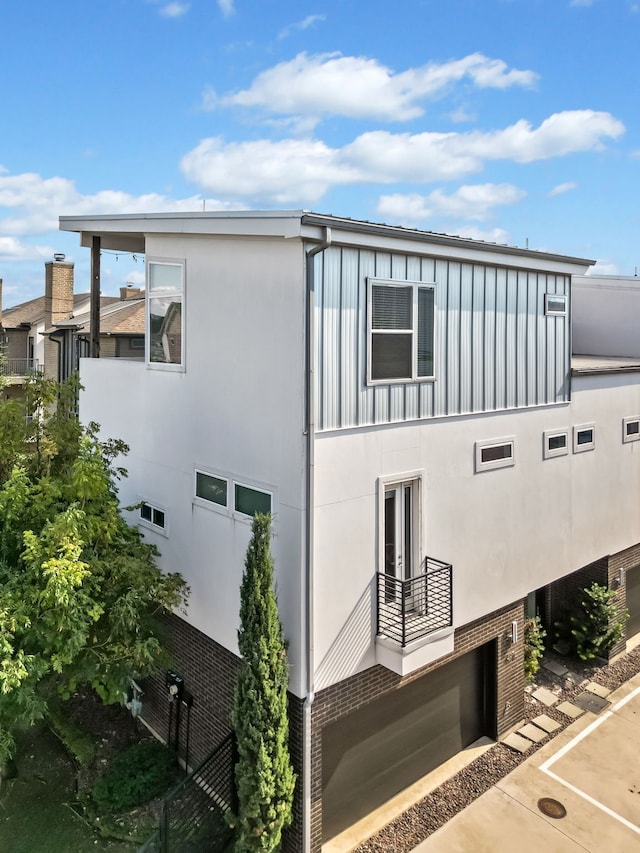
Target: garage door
(633,600)
(375,752)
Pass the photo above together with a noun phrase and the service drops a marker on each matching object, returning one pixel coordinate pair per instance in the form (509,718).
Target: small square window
(555,305)
(210,488)
(497,453)
(556,443)
(251,501)
(152,516)
(631,429)
(584,438)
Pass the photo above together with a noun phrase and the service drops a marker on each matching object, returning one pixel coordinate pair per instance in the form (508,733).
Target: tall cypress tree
(264,775)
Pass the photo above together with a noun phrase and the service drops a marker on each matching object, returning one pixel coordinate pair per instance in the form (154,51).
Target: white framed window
(164,313)
(212,488)
(230,496)
(247,500)
(400,331)
(153,517)
(630,429)
(584,438)
(495,453)
(555,305)
(556,443)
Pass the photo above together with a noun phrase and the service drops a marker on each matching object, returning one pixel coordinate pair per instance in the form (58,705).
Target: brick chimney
(58,305)
(58,290)
(130,292)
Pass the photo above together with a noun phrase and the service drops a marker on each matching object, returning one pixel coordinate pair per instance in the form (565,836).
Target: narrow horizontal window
(210,488)
(497,453)
(153,515)
(555,305)
(250,501)
(631,429)
(584,438)
(493,454)
(556,443)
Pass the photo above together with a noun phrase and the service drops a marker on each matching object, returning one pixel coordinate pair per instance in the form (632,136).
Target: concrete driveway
(592,769)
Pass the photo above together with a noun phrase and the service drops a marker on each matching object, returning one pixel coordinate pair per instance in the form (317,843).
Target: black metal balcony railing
(411,609)
(19,366)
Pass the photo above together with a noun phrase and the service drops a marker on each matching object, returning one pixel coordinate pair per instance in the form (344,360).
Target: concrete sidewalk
(592,769)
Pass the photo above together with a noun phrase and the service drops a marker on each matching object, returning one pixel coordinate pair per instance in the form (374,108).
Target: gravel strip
(422,819)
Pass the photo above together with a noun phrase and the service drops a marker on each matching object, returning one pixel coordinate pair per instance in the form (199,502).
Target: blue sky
(516,121)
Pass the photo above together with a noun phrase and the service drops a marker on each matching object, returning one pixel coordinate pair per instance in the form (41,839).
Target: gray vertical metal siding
(494,346)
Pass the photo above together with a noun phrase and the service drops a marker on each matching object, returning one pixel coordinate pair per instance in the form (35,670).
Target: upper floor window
(555,305)
(498,453)
(556,443)
(631,429)
(584,437)
(165,317)
(400,331)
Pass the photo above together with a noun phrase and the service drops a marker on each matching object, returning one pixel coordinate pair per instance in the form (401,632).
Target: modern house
(437,463)
(50,333)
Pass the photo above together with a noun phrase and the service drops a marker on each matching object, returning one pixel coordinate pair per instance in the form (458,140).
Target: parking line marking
(576,740)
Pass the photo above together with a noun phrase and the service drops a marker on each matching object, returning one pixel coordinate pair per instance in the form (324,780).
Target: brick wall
(347,696)
(564,593)
(622,561)
(209,672)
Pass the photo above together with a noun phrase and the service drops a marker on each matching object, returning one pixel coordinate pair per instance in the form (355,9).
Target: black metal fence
(413,608)
(193,817)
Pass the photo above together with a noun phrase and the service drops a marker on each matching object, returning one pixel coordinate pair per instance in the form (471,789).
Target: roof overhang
(128,233)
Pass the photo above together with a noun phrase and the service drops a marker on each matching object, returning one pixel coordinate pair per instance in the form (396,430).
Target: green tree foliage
(264,775)
(80,593)
(596,625)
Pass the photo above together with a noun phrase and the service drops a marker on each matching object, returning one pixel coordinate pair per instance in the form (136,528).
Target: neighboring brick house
(438,465)
(49,333)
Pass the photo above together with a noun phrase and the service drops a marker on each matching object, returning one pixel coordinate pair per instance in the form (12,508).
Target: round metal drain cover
(552,808)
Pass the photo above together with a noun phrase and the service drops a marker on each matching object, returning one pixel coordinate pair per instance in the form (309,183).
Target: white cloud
(226,7)
(174,10)
(489,235)
(302,170)
(474,202)
(304,24)
(604,267)
(563,188)
(12,249)
(36,202)
(358,87)
(461,115)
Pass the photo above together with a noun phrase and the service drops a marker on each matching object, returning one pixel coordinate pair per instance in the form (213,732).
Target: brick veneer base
(347,696)
(563,593)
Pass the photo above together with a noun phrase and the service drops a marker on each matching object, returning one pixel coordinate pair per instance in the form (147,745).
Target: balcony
(411,610)
(17,368)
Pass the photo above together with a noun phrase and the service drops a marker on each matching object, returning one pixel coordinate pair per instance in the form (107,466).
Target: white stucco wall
(606,315)
(507,531)
(237,411)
